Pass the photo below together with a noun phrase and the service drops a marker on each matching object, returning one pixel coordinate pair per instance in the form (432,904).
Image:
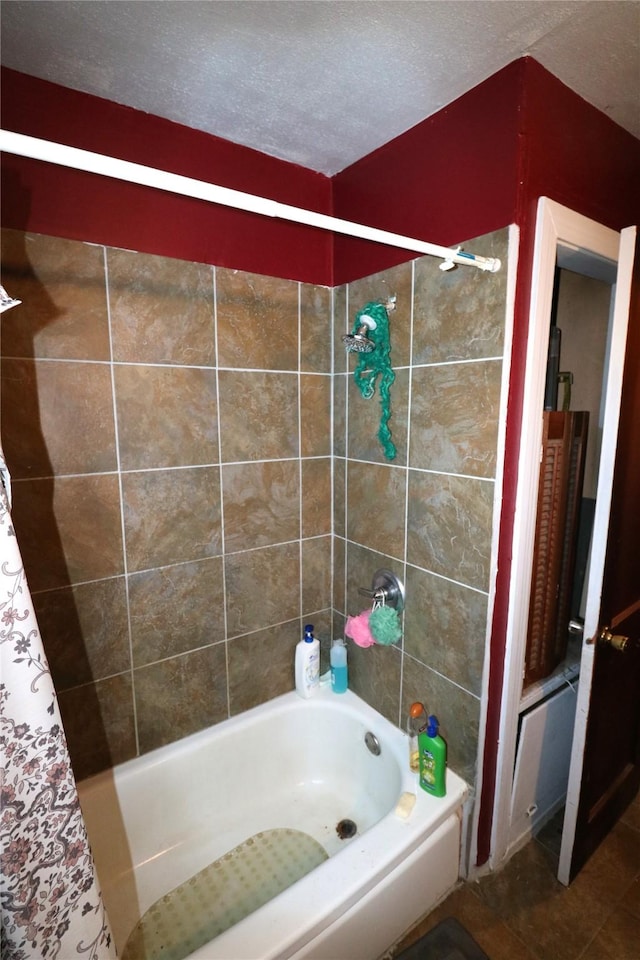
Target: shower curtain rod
(58,153)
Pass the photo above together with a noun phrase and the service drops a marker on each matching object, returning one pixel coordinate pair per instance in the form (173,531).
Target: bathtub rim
(348,701)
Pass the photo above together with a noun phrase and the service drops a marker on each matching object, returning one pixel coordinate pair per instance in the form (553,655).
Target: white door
(601,781)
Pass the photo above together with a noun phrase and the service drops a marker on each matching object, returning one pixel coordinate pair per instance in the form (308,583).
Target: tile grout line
(406,491)
(344,507)
(332,464)
(223,555)
(300,497)
(122,503)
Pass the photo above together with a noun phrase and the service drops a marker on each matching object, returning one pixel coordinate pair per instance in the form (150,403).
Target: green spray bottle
(433,759)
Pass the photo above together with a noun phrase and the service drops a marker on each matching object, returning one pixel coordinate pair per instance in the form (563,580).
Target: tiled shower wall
(428,514)
(168,430)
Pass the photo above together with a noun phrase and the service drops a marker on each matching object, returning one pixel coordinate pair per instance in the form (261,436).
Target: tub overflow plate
(373,744)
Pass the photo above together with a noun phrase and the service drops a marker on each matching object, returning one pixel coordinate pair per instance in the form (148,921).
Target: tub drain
(346,829)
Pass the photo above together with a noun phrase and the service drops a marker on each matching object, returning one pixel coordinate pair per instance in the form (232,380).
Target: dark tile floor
(523,913)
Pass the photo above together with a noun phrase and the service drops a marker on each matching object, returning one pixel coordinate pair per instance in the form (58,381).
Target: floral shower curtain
(50,899)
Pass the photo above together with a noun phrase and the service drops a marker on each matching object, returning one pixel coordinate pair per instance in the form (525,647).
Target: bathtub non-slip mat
(222,894)
(447,941)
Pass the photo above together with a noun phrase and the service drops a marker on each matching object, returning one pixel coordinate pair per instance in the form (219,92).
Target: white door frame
(562,236)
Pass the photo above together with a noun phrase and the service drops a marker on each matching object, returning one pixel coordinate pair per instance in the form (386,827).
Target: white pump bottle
(307,664)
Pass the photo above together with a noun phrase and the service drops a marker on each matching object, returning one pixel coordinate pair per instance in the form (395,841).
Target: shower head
(358,341)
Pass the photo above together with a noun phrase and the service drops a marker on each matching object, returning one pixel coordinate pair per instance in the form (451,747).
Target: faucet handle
(386,588)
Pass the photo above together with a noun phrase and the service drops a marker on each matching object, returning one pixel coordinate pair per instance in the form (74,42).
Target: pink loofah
(358,629)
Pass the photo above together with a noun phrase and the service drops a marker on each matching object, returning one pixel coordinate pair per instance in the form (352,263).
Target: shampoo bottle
(307,663)
(433,759)
(338,660)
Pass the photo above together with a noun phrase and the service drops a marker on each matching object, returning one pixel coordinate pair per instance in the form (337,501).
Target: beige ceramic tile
(631,816)
(180,696)
(257,321)
(85,631)
(261,503)
(339,497)
(175,609)
(263,588)
(315,328)
(445,626)
(258,416)
(365,422)
(489,932)
(316,497)
(338,622)
(339,567)
(374,674)
(69,529)
(64,305)
(341,384)
(454,418)
(460,314)
(171,516)
(316,574)
(376,507)
(556,922)
(162,309)
(341,326)
(274,650)
(315,416)
(613,867)
(57,418)
(631,900)
(619,938)
(449,526)
(166,416)
(98,721)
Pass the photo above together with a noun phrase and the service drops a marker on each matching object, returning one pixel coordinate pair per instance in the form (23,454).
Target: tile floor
(523,913)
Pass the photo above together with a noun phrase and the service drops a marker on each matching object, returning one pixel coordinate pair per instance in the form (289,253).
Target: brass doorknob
(615,640)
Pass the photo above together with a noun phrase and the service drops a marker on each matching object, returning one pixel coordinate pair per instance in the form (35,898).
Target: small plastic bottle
(307,664)
(338,660)
(433,759)
(416,723)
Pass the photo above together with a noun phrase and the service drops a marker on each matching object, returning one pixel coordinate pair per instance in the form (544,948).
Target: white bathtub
(156,821)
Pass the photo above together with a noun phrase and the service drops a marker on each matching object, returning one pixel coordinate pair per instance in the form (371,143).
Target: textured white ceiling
(319,82)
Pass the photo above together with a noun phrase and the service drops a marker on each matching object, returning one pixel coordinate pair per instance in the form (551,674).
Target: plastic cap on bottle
(308,633)
(432,728)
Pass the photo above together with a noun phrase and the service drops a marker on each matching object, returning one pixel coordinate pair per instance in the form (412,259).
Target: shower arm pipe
(66,156)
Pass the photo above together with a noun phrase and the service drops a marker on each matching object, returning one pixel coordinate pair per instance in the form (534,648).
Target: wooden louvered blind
(559,495)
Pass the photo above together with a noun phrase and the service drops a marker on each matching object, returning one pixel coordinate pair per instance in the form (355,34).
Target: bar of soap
(405,805)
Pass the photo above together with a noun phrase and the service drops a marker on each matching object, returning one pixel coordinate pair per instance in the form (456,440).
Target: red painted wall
(450,178)
(482,162)
(47,199)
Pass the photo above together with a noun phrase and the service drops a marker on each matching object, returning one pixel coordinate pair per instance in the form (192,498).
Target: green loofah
(384,623)
(377,364)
